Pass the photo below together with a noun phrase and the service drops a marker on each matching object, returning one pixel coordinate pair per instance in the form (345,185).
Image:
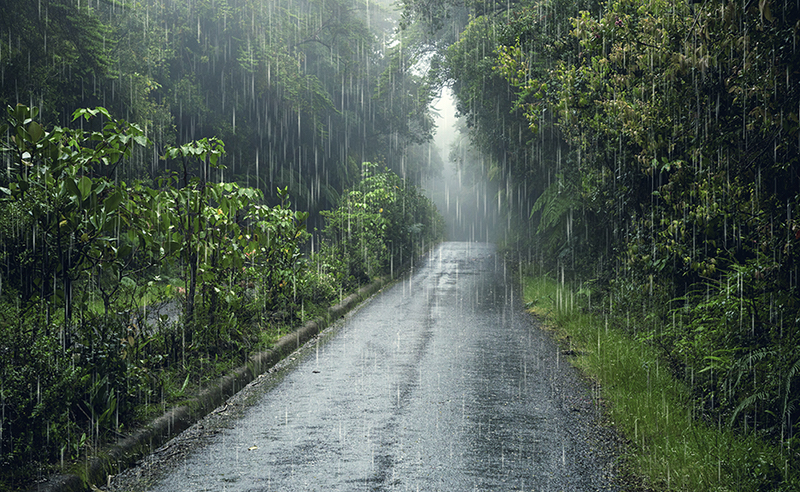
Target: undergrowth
(670,445)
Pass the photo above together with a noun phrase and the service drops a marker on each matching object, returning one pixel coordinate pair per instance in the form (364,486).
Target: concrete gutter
(127,451)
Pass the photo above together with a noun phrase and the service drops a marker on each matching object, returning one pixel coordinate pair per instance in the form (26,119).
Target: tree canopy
(650,149)
(301,92)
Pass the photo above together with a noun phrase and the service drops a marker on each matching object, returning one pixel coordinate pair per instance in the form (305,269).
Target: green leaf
(124,251)
(172,246)
(85,186)
(72,188)
(112,202)
(35,131)
(185,383)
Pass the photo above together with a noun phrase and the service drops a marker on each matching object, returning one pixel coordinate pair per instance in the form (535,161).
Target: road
(441,382)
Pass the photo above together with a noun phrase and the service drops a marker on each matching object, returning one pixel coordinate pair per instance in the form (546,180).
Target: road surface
(441,382)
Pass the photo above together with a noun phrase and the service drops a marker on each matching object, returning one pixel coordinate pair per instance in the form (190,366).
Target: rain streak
(399,245)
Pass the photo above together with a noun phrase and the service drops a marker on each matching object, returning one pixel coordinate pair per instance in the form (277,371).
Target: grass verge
(670,446)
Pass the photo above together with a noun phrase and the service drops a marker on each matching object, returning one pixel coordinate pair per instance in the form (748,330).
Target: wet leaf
(85,186)
(112,202)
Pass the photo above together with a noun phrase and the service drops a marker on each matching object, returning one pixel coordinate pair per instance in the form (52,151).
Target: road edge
(125,452)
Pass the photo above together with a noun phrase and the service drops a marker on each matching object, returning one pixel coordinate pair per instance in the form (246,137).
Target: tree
(672,111)
(65,181)
(379,226)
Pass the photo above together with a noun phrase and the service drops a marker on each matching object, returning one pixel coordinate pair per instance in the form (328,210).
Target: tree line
(301,92)
(648,150)
(182,183)
(85,257)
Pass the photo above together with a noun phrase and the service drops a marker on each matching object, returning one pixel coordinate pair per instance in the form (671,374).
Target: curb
(126,451)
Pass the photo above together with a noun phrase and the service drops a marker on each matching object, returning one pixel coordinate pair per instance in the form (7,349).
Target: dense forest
(644,150)
(185,181)
(300,92)
(647,151)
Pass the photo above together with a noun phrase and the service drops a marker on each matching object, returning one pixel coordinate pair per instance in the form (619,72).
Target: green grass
(670,446)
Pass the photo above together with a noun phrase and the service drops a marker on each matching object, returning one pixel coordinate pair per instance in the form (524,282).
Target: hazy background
(461,192)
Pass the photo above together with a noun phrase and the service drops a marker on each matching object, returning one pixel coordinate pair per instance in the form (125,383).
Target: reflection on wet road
(441,382)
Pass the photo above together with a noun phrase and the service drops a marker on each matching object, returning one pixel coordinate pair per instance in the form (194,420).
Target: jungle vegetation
(644,150)
(647,151)
(182,183)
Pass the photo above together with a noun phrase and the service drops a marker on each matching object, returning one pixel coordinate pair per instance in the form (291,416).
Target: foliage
(679,190)
(685,189)
(64,210)
(669,444)
(296,89)
(114,294)
(378,227)
(45,38)
(736,327)
(138,276)
(61,186)
(652,147)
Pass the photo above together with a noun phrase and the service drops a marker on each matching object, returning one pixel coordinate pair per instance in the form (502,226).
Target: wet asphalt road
(441,382)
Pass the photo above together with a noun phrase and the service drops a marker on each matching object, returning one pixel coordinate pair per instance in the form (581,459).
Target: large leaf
(72,189)
(35,131)
(85,186)
(112,202)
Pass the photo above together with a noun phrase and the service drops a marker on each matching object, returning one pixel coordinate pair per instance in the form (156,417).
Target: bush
(49,388)
(378,227)
(80,359)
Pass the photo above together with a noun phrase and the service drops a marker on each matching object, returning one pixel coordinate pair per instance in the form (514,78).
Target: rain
(568,206)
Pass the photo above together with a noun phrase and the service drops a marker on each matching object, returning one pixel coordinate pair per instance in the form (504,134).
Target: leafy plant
(379,225)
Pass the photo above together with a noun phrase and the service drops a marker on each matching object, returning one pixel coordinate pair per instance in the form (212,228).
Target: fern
(761,396)
(789,405)
(555,204)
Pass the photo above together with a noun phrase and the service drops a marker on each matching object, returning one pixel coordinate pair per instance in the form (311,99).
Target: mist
(465,197)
